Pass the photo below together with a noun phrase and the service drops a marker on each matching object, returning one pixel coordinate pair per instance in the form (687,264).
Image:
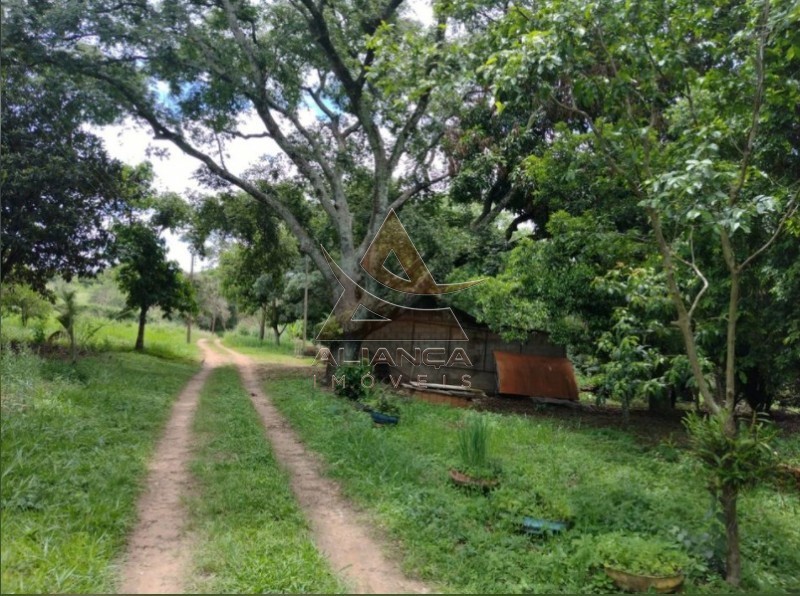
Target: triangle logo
(362,313)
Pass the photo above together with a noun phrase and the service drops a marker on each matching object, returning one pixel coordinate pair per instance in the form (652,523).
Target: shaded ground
(650,426)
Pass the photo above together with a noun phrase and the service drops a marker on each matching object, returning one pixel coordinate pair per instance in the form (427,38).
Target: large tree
(693,109)
(333,86)
(60,188)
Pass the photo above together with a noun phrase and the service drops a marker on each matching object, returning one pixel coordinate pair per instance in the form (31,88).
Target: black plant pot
(381,418)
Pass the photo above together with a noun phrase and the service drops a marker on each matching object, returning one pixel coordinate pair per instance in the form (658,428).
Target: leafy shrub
(739,461)
(631,553)
(379,401)
(39,333)
(347,380)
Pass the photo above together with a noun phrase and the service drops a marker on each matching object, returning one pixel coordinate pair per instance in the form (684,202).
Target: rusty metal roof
(535,376)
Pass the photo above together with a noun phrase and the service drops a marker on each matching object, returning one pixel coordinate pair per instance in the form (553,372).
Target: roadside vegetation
(641,502)
(75,444)
(95,334)
(252,535)
(267,350)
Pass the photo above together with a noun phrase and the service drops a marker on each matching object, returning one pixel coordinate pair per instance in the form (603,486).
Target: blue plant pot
(542,527)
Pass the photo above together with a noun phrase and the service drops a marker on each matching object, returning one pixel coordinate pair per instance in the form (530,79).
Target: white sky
(129,143)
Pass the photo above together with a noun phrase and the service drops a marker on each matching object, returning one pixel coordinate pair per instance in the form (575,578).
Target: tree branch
(786,216)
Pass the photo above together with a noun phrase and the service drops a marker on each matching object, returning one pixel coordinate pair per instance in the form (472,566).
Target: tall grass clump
(473,444)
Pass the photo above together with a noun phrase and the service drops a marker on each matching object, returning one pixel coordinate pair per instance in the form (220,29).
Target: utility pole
(189,318)
(305,306)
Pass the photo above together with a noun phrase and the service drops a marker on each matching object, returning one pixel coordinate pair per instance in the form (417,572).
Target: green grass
(268,351)
(603,480)
(75,446)
(252,535)
(162,338)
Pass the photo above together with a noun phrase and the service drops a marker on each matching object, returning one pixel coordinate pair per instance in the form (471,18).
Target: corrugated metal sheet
(535,376)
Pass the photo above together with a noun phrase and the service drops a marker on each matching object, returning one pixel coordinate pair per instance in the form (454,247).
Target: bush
(347,381)
(631,553)
(378,400)
(739,461)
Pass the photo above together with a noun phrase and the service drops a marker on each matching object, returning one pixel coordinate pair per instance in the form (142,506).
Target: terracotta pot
(461,479)
(633,582)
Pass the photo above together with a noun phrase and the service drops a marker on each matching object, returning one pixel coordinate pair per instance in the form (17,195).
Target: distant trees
(25,301)
(256,282)
(146,276)
(212,304)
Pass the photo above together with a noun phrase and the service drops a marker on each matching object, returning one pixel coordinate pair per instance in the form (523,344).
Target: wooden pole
(305,306)
(189,318)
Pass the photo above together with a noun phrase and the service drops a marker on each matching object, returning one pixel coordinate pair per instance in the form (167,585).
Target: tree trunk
(189,318)
(213,323)
(140,335)
(262,324)
(277,335)
(733,562)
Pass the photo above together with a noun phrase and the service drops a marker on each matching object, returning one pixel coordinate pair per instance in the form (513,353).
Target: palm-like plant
(67,315)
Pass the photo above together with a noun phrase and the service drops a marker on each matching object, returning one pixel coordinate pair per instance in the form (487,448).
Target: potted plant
(475,469)
(639,564)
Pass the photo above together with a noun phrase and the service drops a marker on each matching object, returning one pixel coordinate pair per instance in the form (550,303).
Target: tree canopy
(60,188)
(334,87)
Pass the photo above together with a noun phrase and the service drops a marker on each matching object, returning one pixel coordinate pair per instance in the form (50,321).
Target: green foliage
(148,278)
(473,444)
(75,446)
(25,301)
(737,459)
(251,534)
(254,272)
(379,400)
(67,316)
(632,553)
(60,187)
(348,380)
(602,480)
